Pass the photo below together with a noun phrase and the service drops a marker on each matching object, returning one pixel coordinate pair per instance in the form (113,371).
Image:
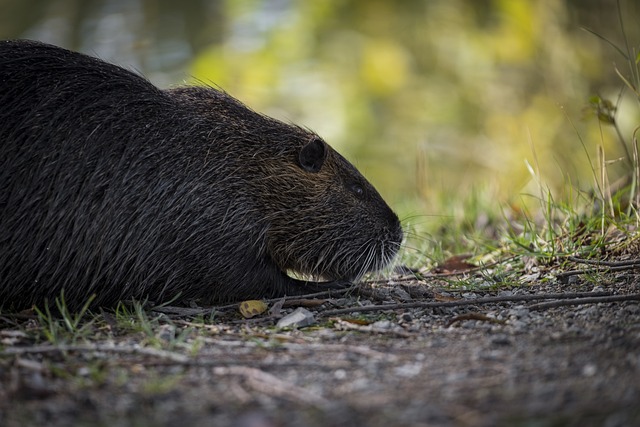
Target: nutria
(112,187)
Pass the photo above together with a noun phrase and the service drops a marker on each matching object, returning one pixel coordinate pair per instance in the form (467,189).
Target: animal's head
(321,216)
(324,217)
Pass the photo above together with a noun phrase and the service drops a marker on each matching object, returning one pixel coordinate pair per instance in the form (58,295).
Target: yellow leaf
(252,308)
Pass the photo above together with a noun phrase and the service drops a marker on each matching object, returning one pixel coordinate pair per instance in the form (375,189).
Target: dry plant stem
(578,301)
(183,311)
(145,351)
(628,263)
(487,300)
(604,269)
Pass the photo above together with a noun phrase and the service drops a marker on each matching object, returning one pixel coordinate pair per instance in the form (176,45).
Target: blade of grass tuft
(627,82)
(606,40)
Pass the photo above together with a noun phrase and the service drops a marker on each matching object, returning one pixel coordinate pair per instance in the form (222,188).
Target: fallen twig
(190,312)
(604,269)
(589,300)
(630,262)
(183,311)
(487,300)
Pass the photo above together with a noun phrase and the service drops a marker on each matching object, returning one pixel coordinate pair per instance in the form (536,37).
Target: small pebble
(340,374)
(401,294)
(166,333)
(408,370)
(382,324)
(519,312)
(589,370)
(501,339)
(299,318)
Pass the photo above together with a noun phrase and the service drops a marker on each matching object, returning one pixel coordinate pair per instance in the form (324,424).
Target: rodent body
(112,187)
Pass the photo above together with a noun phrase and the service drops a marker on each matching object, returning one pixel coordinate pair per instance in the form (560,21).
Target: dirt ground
(514,363)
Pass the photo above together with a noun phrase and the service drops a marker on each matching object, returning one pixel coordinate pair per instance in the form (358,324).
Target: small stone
(341,302)
(340,374)
(299,318)
(501,339)
(382,324)
(401,294)
(590,311)
(518,325)
(589,370)
(528,278)
(166,333)
(519,312)
(408,370)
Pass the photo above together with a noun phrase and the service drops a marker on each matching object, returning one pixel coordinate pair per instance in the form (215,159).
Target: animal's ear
(313,154)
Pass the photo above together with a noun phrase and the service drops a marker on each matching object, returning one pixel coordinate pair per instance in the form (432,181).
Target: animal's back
(85,159)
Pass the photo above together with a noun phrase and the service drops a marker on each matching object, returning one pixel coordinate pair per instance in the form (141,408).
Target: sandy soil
(492,363)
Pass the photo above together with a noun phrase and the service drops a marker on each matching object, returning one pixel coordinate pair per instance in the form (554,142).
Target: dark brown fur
(110,186)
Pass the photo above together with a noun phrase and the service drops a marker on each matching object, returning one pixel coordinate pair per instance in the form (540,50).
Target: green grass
(546,226)
(65,326)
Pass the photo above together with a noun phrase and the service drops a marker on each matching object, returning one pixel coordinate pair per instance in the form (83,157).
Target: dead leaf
(455,263)
(252,308)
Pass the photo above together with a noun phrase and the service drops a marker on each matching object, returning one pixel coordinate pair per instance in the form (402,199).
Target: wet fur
(113,187)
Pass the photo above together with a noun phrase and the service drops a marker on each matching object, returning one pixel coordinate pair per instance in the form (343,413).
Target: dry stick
(182,311)
(578,301)
(604,269)
(145,351)
(196,311)
(631,262)
(487,300)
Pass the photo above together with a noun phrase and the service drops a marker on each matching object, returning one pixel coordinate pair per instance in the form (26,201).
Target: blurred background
(433,100)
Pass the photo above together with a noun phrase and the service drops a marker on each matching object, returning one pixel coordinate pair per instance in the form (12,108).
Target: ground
(439,356)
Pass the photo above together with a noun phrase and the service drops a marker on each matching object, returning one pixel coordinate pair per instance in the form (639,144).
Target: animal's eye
(356,189)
